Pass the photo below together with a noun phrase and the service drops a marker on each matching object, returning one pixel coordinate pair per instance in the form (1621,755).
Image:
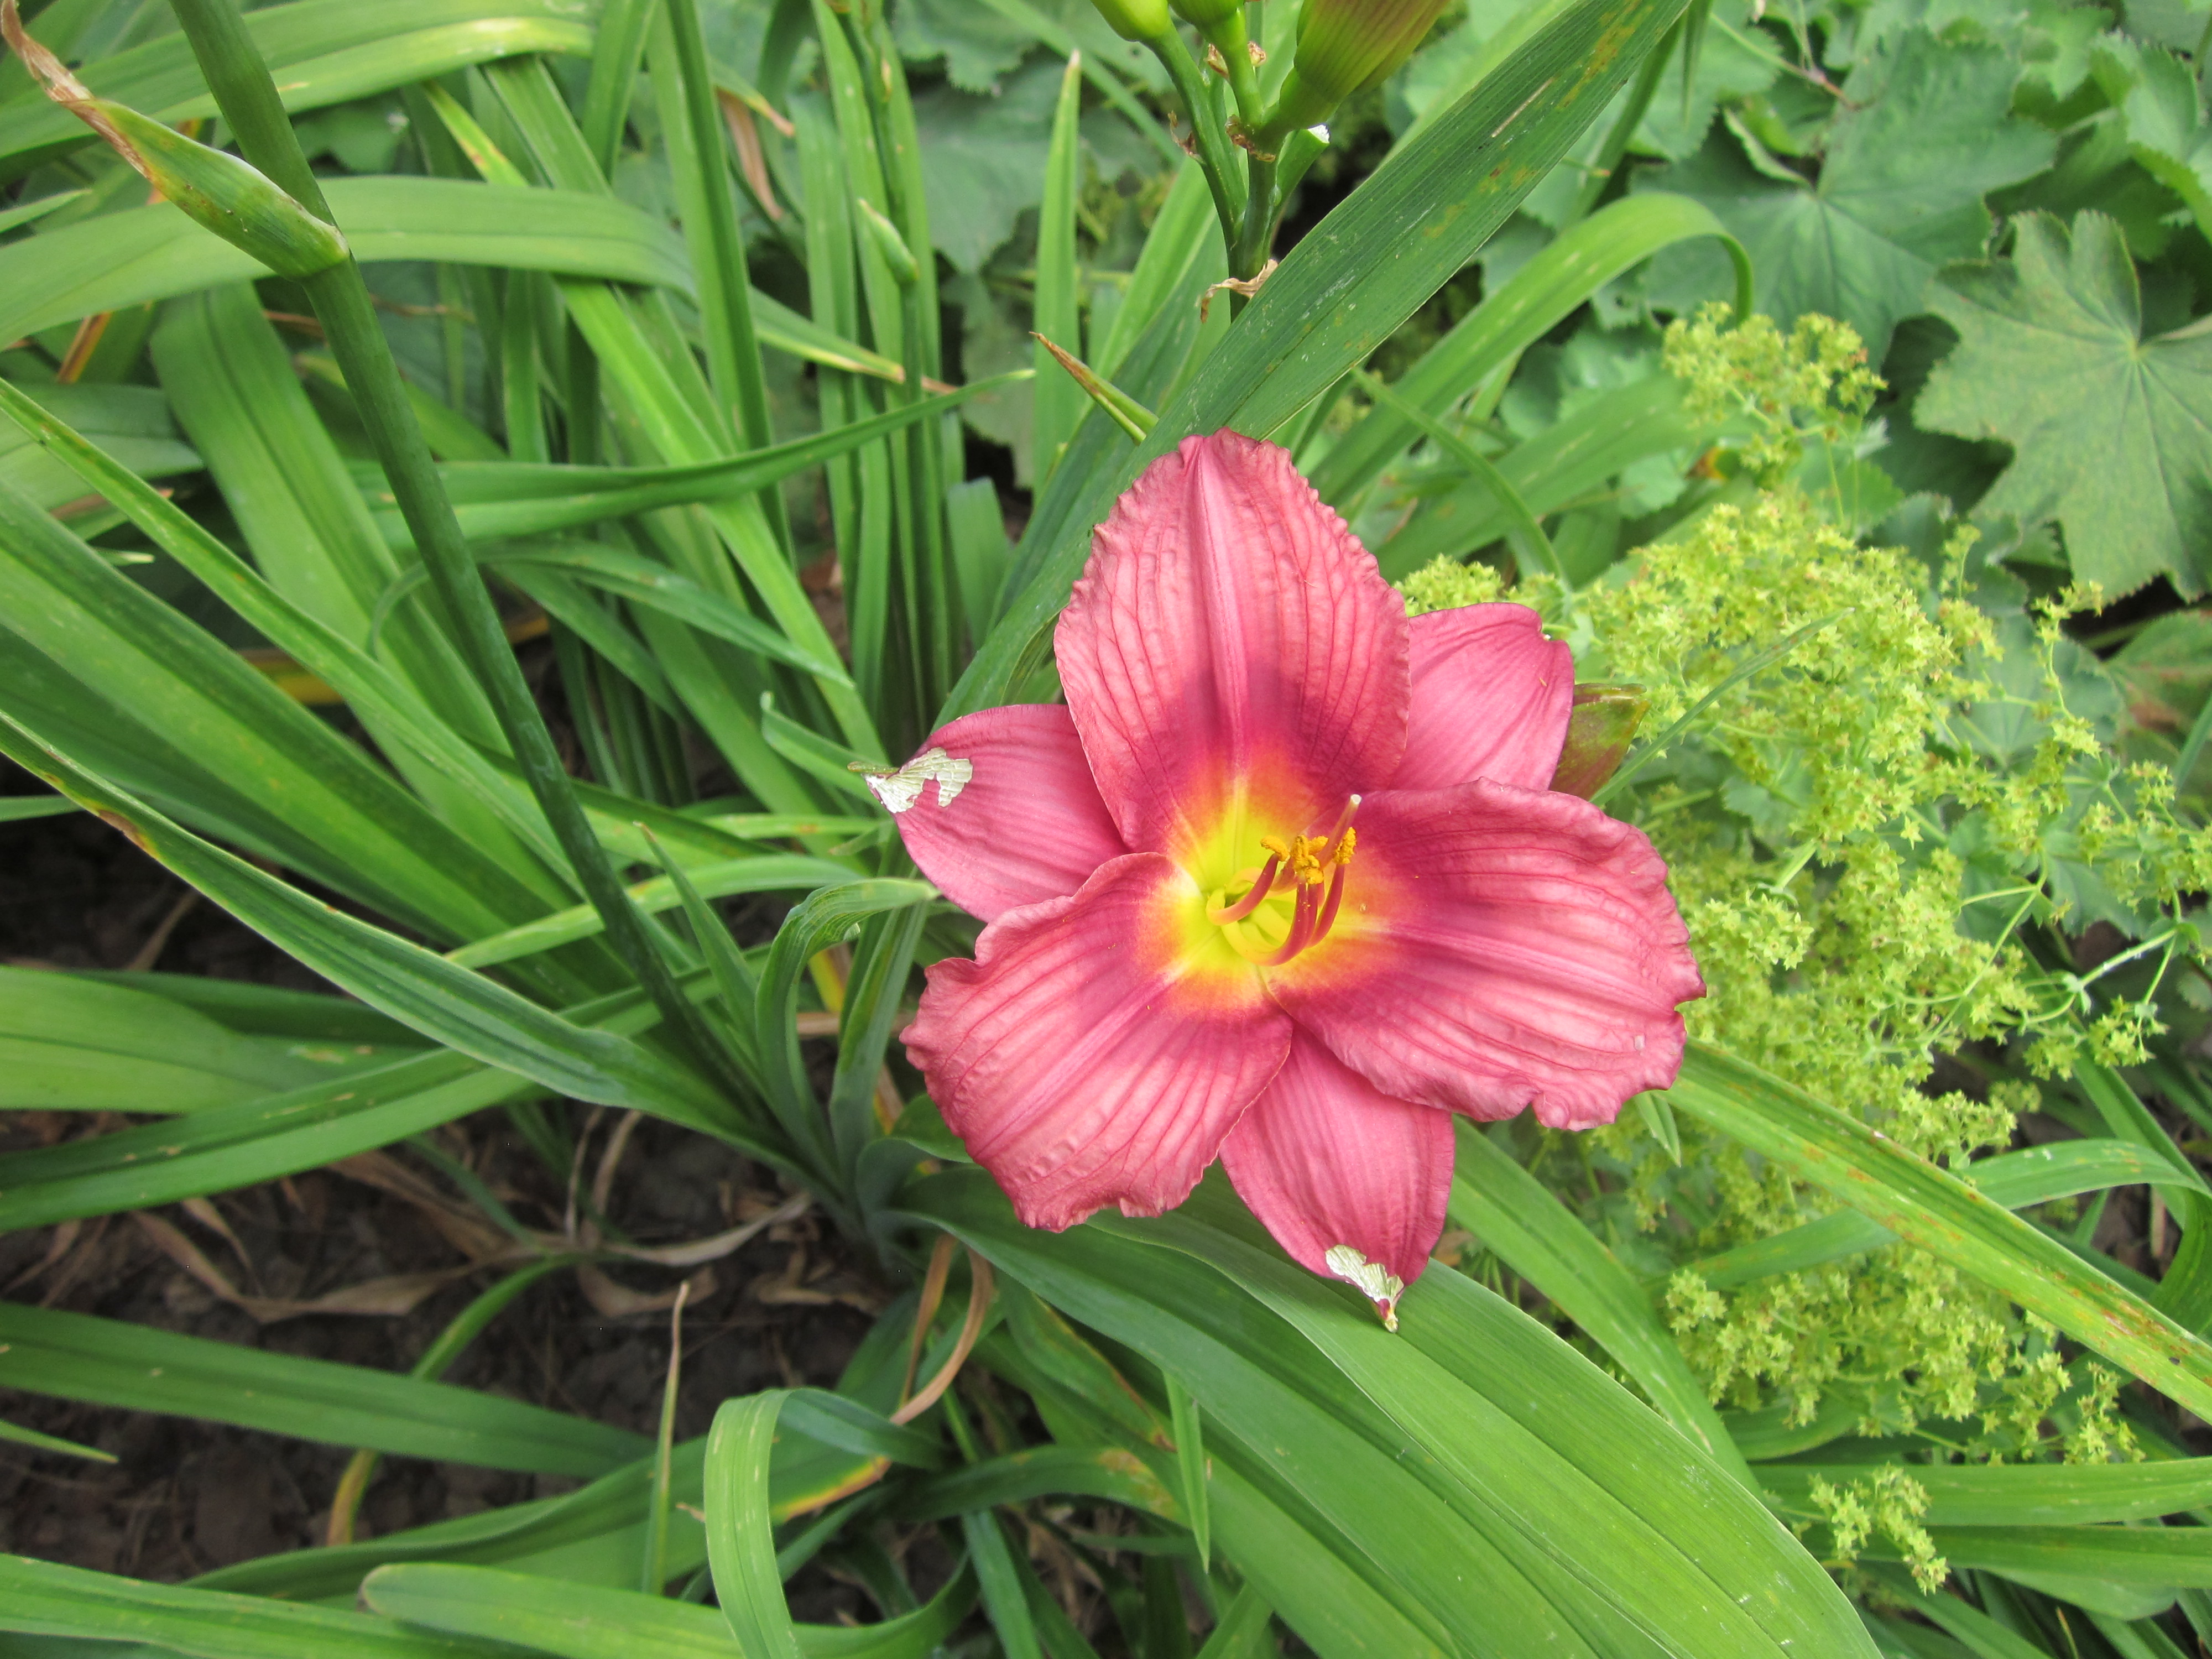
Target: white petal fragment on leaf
(900,790)
(1371,1279)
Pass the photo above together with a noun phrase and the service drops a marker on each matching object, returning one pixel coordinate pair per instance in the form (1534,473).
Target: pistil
(1251,901)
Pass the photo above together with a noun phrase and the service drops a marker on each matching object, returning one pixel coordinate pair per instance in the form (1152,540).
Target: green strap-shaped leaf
(740,1544)
(2035,1174)
(2020,1494)
(330,52)
(1376,1481)
(42,1598)
(1570,268)
(105,1361)
(1688,1562)
(421,990)
(1517,1216)
(589,1622)
(1924,1205)
(760,872)
(337,813)
(1107,1472)
(393,708)
(127,258)
(819,922)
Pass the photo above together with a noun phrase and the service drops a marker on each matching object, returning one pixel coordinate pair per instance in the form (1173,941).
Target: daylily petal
(1099,1047)
(1490,699)
(1232,644)
(1499,948)
(1325,1159)
(1026,826)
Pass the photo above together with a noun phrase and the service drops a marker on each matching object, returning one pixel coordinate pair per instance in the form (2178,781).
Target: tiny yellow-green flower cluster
(1863,834)
(1889,1502)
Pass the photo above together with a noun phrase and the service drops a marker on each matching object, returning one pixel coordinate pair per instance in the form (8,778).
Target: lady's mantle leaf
(2112,434)
(1924,135)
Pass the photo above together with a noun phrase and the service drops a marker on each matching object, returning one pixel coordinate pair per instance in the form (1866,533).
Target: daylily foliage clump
(1285,882)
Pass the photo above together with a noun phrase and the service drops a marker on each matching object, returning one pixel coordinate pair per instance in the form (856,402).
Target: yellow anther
(1305,858)
(1274,844)
(1344,845)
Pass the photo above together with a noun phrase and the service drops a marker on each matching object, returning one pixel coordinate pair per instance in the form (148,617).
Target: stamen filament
(1301,928)
(1251,901)
(1328,910)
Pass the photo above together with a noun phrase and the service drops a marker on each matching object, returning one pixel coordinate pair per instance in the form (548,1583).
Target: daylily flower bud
(1346,46)
(1135,19)
(889,243)
(243,206)
(1599,731)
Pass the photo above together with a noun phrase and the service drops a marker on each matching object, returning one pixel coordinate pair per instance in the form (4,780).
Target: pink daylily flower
(1284,883)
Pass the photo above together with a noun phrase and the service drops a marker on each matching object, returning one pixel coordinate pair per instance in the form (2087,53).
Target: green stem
(248,97)
(1216,158)
(1236,49)
(1251,252)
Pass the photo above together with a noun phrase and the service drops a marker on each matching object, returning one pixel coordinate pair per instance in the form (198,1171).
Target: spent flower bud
(226,195)
(1599,728)
(1135,19)
(1346,46)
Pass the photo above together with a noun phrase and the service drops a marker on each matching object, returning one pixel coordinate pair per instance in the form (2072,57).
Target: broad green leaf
(2020,1494)
(1925,134)
(739,1545)
(76,1045)
(1924,1205)
(1347,285)
(43,1598)
(105,1362)
(2035,1174)
(2108,429)
(2166,126)
(1533,1233)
